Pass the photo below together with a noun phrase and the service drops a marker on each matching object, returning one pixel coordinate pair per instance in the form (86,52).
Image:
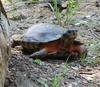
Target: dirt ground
(22,72)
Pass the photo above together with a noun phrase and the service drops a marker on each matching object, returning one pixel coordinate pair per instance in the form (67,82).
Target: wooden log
(4,45)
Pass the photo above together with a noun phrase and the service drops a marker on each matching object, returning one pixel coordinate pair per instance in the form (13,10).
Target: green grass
(37,61)
(72,7)
(42,82)
(57,78)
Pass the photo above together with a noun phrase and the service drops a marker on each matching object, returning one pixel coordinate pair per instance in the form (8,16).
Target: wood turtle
(44,39)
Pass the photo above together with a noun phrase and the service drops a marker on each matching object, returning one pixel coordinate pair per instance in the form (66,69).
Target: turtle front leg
(78,50)
(41,53)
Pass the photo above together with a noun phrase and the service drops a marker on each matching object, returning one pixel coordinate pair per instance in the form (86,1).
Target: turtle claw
(41,53)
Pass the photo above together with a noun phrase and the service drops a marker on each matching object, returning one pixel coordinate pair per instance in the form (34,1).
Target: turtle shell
(43,32)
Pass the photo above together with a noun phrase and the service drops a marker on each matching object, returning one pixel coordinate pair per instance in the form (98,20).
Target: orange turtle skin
(51,46)
(76,48)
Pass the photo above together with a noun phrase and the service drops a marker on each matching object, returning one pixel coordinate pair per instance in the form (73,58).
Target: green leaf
(37,61)
(42,82)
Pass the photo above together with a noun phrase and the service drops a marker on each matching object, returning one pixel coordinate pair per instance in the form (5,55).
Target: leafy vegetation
(57,78)
(42,82)
(38,62)
(72,7)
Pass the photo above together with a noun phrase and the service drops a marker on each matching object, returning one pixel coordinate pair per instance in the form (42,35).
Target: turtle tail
(16,40)
(15,43)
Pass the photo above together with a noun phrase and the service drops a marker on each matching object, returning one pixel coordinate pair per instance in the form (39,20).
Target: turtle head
(72,34)
(16,40)
(68,37)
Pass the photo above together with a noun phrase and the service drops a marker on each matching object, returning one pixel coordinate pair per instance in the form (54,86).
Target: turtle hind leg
(39,54)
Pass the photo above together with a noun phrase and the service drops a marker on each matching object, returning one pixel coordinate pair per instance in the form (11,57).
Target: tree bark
(4,45)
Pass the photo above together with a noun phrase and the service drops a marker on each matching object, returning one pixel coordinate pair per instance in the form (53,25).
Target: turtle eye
(69,31)
(72,31)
